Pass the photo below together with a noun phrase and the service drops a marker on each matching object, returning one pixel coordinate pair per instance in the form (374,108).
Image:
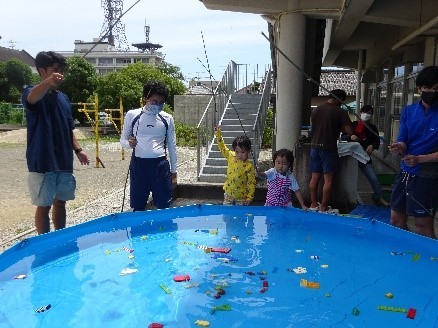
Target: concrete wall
(189,108)
(344,193)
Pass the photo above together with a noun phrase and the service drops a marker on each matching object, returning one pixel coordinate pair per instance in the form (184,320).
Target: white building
(105,58)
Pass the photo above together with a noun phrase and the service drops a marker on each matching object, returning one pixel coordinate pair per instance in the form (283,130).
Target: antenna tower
(114,29)
(147,46)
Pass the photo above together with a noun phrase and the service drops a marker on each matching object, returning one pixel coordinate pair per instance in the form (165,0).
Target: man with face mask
(415,188)
(369,141)
(150,133)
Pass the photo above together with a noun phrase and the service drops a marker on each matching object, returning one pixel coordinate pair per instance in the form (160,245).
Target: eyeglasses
(156,102)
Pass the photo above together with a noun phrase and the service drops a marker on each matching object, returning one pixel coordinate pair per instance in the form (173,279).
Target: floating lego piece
(327,295)
(392,309)
(156,325)
(224,307)
(194,284)
(264,289)
(127,271)
(224,250)
(166,289)
(433,258)
(144,237)
(250,273)
(220,290)
(263,272)
(223,258)
(355,311)
(235,239)
(43,308)
(299,270)
(181,278)
(131,257)
(389,295)
(299,250)
(202,323)
(213,232)
(324,266)
(130,250)
(265,284)
(416,257)
(411,313)
(314,257)
(20,276)
(309,284)
(107,251)
(396,253)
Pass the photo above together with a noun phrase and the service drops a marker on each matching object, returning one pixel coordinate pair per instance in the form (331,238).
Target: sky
(182,27)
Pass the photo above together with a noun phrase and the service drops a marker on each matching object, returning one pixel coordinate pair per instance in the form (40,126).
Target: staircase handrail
(213,112)
(259,124)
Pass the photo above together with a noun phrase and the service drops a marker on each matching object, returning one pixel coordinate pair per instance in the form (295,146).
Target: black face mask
(430,97)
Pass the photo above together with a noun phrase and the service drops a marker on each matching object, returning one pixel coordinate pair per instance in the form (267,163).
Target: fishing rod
(430,212)
(209,72)
(110,29)
(132,157)
(309,78)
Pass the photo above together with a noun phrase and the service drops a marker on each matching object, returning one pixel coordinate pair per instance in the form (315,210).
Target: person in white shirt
(150,132)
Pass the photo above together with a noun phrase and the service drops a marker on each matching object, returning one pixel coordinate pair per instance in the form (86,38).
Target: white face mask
(365,116)
(154,109)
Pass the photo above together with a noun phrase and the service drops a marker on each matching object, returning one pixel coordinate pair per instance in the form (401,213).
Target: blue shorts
(322,161)
(150,175)
(414,195)
(45,187)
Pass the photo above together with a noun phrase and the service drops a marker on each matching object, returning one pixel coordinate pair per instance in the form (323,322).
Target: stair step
(235,127)
(216,161)
(208,169)
(212,178)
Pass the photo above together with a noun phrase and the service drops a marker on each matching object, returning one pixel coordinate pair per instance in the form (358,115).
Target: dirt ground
(17,213)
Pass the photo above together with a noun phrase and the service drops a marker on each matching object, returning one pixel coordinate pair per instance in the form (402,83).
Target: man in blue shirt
(50,143)
(415,188)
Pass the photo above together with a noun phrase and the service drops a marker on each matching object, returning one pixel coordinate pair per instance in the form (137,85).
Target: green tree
(171,70)
(14,75)
(128,84)
(79,83)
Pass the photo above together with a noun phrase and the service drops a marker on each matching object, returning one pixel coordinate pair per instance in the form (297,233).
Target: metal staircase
(237,114)
(239,118)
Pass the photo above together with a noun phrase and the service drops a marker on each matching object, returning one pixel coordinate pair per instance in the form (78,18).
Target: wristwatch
(77,151)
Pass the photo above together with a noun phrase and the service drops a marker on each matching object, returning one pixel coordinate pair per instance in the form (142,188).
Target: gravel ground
(99,190)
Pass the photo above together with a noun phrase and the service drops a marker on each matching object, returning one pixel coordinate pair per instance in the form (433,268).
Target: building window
(123,61)
(413,95)
(105,61)
(381,103)
(396,97)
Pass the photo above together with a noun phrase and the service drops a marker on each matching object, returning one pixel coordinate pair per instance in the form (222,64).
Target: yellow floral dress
(241,177)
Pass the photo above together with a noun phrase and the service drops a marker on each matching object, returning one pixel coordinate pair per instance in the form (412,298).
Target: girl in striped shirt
(281,181)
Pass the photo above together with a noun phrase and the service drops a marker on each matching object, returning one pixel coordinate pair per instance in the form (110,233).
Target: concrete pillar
(430,51)
(359,79)
(291,40)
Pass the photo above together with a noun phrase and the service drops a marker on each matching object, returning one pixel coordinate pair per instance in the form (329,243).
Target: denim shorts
(416,196)
(322,161)
(45,187)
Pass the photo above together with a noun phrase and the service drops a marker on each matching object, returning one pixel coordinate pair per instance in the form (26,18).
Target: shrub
(268,132)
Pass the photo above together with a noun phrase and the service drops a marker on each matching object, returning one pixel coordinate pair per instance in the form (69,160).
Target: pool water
(284,268)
